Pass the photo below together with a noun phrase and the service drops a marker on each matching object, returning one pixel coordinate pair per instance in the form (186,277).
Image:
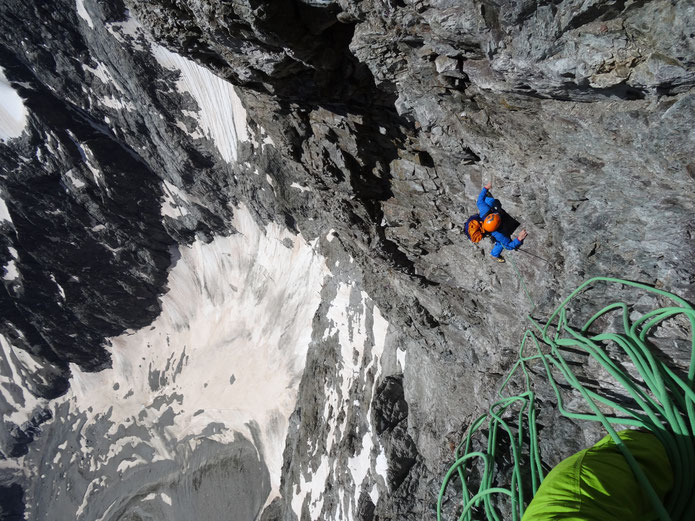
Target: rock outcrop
(372,126)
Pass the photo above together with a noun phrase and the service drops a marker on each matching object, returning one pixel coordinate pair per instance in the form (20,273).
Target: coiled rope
(663,403)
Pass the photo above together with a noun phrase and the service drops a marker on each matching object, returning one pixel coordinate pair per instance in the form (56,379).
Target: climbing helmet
(492,222)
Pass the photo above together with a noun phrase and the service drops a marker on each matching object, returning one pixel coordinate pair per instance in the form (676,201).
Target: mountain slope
(268,198)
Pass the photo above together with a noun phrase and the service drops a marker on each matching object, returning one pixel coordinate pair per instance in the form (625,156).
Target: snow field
(220,115)
(238,310)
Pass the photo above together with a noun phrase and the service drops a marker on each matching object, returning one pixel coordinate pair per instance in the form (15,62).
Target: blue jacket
(485,206)
(503,242)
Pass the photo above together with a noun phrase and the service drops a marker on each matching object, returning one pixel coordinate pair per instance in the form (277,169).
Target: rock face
(315,202)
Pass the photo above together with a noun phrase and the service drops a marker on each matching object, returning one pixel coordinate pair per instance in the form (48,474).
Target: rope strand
(663,403)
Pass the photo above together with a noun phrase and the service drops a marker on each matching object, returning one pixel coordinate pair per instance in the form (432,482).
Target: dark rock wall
(393,113)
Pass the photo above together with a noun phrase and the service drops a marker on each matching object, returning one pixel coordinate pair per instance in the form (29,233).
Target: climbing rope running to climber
(523,285)
(662,403)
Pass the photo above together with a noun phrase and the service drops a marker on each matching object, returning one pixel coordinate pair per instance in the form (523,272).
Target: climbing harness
(663,403)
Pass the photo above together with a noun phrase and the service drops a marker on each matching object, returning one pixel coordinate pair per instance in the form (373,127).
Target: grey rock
(394,114)
(445,64)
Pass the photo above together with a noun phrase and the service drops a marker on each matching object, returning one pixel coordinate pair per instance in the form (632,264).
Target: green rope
(663,403)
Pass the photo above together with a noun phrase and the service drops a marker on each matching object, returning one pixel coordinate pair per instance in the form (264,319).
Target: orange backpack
(474,229)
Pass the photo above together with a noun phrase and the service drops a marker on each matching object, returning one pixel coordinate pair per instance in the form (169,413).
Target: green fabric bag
(597,484)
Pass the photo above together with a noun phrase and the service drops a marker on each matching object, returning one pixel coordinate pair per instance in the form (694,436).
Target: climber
(598,484)
(488,221)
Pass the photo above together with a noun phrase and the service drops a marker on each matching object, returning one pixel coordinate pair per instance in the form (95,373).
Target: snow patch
(220,113)
(117,33)
(115,103)
(195,134)
(128,28)
(313,488)
(11,272)
(382,465)
(76,182)
(400,357)
(13,113)
(173,197)
(94,486)
(4,212)
(60,288)
(374,494)
(103,73)
(84,14)
(300,187)
(129,463)
(359,464)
